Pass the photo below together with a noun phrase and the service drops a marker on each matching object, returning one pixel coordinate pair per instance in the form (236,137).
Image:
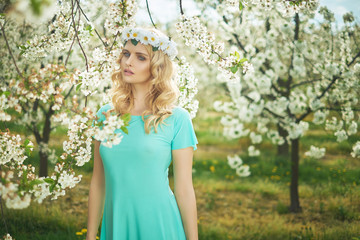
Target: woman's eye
(126,54)
(141,58)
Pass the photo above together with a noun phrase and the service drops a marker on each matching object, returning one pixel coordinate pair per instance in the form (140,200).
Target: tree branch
(236,37)
(105,44)
(305,82)
(148,9)
(10,52)
(353,60)
(318,97)
(77,36)
(265,108)
(181,9)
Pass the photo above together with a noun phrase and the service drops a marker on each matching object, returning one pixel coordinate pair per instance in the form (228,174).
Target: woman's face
(135,64)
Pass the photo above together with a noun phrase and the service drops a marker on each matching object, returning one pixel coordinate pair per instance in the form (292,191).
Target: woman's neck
(140,94)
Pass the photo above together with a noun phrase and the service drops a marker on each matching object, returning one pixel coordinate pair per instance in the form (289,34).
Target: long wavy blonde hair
(163,91)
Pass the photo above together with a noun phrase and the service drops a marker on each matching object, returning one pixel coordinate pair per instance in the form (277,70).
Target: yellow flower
(128,35)
(146,38)
(84,230)
(135,34)
(97,237)
(79,233)
(212,169)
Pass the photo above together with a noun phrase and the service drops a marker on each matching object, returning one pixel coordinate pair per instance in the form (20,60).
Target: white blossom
(315,152)
(356,150)
(253,151)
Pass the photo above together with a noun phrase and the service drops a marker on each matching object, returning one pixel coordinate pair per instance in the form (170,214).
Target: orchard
(258,77)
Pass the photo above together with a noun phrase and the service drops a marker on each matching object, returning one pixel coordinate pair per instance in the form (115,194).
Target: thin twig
(105,44)
(181,9)
(353,60)
(10,52)
(148,9)
(77,36)
(305,82)
(68,55)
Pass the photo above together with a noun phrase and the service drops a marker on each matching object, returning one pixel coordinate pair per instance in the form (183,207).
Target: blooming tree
(303,72)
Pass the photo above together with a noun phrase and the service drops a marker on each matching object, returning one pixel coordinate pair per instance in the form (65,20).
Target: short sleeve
(184,134)
(101,116)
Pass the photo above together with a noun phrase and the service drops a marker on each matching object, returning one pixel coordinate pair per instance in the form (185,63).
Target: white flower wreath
(148,37)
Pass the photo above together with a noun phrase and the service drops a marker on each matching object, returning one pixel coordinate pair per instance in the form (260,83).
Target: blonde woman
(129,187)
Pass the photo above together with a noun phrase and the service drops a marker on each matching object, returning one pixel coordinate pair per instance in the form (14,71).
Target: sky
(167,10)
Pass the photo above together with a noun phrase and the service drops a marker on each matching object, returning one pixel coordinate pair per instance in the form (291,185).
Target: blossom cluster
(285,7)
(187,83)
(7,237)
(61,37)
(12,150)
(107,130)
(315,152)
(236,163)
(40,86)
(121,15)
(13,155)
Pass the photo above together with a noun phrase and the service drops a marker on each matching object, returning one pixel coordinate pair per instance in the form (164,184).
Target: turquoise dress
(139,203)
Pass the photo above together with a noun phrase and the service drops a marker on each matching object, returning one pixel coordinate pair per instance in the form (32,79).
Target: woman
(130,180)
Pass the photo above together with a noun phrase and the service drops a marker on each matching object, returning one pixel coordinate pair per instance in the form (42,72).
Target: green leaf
(243,60)
(52,187)
(88,28)
(155,49)
(78,87)
(49,180)
(237,55)
(234,69)
(134,42)
(241,6)
(7,93)
(35,182)
(126,117)
(26,142)
(125,130)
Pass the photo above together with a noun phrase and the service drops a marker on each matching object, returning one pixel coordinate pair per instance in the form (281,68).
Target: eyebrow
(141,53)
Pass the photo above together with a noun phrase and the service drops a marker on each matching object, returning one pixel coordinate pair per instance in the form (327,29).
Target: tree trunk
(43,164)
(283,150)
(294,186)
(45,139)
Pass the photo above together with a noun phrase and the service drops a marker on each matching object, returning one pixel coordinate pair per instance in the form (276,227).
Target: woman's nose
(129,60)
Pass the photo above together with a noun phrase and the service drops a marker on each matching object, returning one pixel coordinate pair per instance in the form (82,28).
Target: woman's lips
(127,72)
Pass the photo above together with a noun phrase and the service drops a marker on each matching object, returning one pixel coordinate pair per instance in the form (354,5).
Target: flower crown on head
(147,37)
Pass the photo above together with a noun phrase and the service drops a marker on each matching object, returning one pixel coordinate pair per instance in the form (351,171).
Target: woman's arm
(184,190)
(96,195)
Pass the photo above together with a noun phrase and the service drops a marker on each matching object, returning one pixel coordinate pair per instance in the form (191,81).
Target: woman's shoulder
(180,112)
